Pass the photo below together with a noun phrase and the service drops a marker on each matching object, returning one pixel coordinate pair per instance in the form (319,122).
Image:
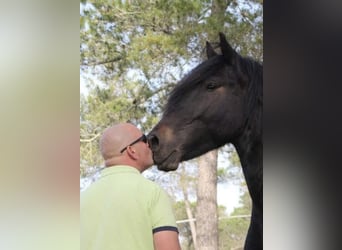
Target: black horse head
(208,108)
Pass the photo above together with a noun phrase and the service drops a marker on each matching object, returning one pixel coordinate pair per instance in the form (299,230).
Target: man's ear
(131,152)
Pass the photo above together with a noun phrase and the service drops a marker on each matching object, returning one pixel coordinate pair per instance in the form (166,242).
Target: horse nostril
(153,142)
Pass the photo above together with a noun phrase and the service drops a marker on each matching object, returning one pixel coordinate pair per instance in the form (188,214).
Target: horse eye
(211,86)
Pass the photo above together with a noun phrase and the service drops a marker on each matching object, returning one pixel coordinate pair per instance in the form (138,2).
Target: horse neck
(249,147)
(249,143)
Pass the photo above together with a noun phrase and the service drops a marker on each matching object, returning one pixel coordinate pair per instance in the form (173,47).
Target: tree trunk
(206,211)
(218,9)
(206,214)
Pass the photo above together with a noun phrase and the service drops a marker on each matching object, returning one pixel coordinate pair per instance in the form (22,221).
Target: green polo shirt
(122,210)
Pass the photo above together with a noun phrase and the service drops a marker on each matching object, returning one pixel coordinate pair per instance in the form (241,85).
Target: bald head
(116,138)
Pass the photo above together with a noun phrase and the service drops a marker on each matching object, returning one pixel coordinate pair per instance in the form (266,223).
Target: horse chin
(170,163)
(169,167)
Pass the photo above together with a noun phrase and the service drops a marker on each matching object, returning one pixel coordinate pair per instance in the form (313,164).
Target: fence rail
(220,218)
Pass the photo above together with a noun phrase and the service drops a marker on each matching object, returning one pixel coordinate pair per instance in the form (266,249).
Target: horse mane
(254,71)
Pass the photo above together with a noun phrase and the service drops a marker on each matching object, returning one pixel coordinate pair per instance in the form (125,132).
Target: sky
(228,195)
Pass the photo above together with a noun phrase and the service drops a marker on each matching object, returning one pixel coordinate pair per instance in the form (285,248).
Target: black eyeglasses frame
(142,138)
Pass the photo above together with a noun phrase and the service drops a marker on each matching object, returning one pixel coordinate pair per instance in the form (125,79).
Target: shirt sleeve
(162,215)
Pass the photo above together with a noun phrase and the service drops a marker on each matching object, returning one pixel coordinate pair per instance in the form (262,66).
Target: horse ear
(210,51)
(227,51)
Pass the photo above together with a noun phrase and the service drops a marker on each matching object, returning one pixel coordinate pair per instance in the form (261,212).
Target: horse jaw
(170,163)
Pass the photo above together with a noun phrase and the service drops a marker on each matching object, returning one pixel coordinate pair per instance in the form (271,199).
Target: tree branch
(91,139)
(118,58)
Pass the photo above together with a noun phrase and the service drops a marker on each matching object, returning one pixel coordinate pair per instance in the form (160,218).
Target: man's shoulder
(149,183)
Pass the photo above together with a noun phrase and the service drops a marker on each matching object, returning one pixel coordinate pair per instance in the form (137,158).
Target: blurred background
(40,100)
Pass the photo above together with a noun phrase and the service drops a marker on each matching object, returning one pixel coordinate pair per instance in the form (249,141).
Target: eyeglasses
(142,138)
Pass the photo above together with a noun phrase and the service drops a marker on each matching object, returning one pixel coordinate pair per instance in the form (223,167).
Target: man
(123,210)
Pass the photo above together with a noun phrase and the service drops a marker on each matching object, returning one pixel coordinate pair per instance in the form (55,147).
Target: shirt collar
(118,169)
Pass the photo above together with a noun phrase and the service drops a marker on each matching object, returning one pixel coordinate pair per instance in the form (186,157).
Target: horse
(220,101)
